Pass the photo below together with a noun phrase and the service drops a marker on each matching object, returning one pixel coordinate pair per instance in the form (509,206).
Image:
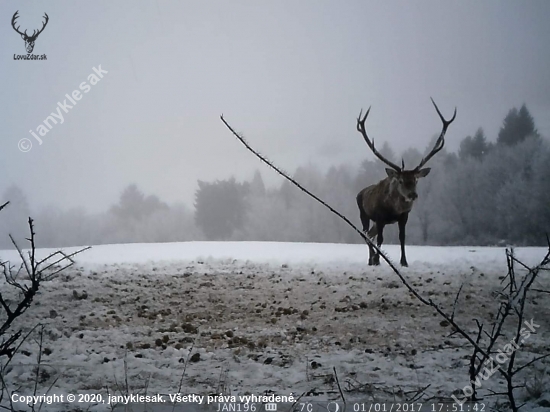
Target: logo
(29,40)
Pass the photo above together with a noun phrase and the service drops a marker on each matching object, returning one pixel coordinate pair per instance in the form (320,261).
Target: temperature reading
(306,407)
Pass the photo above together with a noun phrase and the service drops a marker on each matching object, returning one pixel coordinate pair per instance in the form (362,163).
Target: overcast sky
(291,75)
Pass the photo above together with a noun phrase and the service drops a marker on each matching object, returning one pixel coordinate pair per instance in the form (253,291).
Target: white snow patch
(262,316)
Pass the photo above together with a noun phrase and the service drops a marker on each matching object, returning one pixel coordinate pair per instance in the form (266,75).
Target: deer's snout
(413,196)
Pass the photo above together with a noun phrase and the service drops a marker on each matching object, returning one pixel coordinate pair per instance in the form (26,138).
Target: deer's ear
(23,36)
(423,172)
(391,172)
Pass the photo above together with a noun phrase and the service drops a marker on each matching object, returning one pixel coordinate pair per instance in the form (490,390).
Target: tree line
(488,193)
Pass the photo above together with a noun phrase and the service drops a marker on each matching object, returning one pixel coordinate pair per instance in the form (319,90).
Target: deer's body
(390,200)
(385,204)
(382,203)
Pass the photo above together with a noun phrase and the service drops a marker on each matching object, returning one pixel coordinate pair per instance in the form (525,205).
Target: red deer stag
(391,199)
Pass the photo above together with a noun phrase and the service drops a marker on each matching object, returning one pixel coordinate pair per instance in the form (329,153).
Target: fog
(292,76)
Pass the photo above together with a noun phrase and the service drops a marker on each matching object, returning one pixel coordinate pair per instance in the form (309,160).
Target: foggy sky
(292,76)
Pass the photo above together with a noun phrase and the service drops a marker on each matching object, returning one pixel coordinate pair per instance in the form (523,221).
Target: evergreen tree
(220,208)
(134,205)
(476,147)
(257,186)
(517,126)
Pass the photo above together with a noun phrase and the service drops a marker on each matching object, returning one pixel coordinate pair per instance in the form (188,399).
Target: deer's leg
(364,218)
(402,222)
(371,234)
(371,249)
(379,241)
(366,225)
(365,221)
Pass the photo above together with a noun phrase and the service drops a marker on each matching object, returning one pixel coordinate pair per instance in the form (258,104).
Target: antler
(440,142)
(15,16)
(43,26)
(361,129)
(34,33)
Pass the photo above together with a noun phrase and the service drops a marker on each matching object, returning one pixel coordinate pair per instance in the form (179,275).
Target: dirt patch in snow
(244,327)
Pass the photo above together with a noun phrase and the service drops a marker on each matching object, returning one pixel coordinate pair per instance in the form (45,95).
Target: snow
(263,316)
(280,252)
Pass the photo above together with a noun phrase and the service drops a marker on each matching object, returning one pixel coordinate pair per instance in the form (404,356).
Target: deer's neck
(395,200)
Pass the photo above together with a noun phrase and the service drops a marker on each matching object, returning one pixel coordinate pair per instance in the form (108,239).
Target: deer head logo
(29,40)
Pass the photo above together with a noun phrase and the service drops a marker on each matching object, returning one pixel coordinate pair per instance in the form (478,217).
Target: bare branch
(531,362)
(23,260)
(338,383)
(456,300)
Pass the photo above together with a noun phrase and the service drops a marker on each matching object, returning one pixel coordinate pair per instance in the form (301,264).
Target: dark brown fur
(387,202)
(390,200)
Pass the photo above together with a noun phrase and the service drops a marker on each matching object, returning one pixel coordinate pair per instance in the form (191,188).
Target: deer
(391,200)
(29,40)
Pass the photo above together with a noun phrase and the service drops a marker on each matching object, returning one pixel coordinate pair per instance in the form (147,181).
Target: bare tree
(510,328)
(27,278)
(24,281)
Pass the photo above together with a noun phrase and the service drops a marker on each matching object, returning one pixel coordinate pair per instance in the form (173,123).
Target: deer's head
(29,40)
(405,181)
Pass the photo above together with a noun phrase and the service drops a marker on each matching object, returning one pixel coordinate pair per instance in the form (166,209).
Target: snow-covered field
(250,317)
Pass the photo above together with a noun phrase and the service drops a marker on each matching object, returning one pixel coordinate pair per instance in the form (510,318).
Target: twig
(419,393)
(185,367)
(531,362)
(456,300)
(338,383)
(5,387)
(23,260)
(65,257)
(472,370)
(19,345)
(296,401)
(39,362)
(48,391)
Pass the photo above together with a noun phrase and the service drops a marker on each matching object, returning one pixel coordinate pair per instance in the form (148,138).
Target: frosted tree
(517,126)
(476,147)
